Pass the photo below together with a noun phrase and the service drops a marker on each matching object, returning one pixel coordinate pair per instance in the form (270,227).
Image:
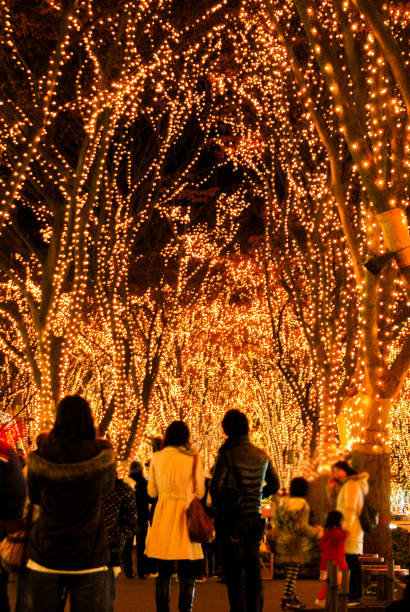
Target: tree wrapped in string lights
(268,136)
(94,122)
(349,63)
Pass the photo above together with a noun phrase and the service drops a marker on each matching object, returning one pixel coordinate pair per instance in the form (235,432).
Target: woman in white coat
(171,480)
(351,488)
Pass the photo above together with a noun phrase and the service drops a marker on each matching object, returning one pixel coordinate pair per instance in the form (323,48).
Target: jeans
(355,584)
(240,539)
(88,592)
(111,584)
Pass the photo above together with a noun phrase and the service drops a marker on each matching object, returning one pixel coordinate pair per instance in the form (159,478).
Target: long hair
(73,419)
(343,465)
(177,434)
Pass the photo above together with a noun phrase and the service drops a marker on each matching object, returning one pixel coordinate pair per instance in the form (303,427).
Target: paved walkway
(135,595)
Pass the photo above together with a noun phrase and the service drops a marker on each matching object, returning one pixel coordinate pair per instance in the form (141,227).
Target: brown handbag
(200,525)
(13,549)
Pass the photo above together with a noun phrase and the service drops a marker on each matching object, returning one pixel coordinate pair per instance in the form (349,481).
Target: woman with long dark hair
(171,480)
(68,474)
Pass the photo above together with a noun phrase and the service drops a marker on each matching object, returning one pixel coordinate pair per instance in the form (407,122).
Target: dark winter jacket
(251,468)
(142,499)
(120,515)
(12,485)
(68,478)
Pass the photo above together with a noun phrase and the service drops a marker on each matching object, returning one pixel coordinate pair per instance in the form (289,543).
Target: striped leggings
(291,574)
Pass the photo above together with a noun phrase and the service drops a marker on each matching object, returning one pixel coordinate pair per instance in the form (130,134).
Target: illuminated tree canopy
(204,204)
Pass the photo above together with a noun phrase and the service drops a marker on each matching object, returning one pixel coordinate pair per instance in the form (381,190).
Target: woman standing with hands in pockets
(171,480)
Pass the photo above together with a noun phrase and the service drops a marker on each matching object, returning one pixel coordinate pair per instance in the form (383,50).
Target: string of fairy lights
(300,100)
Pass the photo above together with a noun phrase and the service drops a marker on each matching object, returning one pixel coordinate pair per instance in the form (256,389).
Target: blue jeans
(87,592)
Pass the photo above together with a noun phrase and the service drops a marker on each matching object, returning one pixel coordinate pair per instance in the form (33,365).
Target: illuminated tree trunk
(381,380)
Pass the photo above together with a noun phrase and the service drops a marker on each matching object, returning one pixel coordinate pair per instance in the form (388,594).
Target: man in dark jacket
(243,474)
(142,500)
(12,496)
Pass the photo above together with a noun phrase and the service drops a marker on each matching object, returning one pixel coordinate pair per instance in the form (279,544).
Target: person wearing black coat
(68,475)
(243,474)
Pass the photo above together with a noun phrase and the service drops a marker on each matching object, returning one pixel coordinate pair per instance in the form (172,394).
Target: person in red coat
(332,545)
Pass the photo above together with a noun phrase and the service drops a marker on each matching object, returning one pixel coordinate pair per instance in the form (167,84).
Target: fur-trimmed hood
(65,472)
(362,479)
(68,478)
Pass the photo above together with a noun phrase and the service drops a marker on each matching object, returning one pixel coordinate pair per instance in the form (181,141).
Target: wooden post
(329,565)
(390,581)
(331,593)
(344,593)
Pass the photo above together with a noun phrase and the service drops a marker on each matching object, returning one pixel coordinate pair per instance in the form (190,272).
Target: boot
(186,595)
(162,594)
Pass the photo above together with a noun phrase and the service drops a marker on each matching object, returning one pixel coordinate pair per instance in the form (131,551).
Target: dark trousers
(240,539)
(355,584)
(143,563)
(23,599)
(87,592)
(187,572)
(4,600)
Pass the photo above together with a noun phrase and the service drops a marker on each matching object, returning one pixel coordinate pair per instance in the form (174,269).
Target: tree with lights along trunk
(97,102)
(348,62)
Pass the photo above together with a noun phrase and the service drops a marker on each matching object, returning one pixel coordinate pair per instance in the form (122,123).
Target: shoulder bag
(200,525)
(14,546)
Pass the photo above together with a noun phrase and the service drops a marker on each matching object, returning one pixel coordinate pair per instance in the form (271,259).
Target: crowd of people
(84,518)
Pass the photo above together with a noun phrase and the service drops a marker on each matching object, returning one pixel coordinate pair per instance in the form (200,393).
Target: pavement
(136,595)
(210,596)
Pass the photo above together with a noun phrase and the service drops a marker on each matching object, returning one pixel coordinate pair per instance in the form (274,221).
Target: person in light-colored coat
(351,488)
(170,479)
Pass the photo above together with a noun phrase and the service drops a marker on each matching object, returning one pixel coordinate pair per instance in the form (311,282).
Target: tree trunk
(364,459)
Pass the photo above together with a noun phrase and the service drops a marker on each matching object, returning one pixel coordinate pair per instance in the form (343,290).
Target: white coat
(170,479)
(350,503)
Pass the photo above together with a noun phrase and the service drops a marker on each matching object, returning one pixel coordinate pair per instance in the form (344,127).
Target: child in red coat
(332,545)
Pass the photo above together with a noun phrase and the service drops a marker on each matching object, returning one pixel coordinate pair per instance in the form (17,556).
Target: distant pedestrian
(170,479)
(295,538)
(332,546)
(142,500)
(120,515)
(237,487)
(68,475)
(350,488)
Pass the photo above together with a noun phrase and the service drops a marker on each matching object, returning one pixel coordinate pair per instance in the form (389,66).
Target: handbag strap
(194,464)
